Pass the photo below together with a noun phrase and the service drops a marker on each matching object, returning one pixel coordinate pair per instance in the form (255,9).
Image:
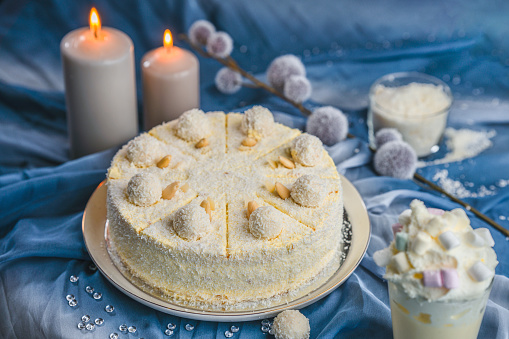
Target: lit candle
(170,83)
(100,87)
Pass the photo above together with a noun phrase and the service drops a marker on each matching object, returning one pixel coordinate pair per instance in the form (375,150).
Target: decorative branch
(233,65)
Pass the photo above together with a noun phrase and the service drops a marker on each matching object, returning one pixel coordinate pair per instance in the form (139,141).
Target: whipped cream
(436,255)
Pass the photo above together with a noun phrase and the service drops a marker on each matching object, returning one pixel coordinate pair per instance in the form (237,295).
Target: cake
(225,211)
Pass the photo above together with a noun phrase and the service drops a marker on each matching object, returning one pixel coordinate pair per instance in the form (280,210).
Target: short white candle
(100,87)
(171,82)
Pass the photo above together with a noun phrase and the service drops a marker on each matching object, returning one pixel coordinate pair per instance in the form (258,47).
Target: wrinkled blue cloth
(345,46)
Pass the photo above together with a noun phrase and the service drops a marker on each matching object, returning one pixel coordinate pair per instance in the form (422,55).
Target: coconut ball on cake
(258,122)
(144,150)
(191,222)
(307,150)
(265,223)
(193,125)
(309,191)
(144,189)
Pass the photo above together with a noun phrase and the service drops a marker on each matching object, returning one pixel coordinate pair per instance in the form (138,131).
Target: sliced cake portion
(291,162)
(146,152)
(196,133)
(189,242)
(241,142)
(317,202)
(139,203)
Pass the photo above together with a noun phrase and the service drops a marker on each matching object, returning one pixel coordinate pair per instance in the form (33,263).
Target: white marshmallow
(421,243)
(480,272)
(405,217)
(449,240)
(435,226)
(383,257)
(400,262)
(474,239)
(486,235)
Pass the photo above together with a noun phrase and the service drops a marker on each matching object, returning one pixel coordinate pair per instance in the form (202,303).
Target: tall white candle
(170,83)
(100,87)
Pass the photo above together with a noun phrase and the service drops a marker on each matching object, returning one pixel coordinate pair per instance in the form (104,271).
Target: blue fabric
(345,46)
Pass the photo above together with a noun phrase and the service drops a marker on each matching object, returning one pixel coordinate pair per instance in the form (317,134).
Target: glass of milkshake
(440,273)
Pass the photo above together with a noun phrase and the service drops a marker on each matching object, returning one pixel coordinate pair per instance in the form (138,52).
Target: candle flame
(168,40)
(95,22)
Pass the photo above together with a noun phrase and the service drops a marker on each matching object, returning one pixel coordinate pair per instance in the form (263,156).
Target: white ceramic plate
(94,226)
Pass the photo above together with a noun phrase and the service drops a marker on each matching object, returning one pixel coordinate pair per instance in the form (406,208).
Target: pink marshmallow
(435,211)
(450,278)
(432,278)
(397,227)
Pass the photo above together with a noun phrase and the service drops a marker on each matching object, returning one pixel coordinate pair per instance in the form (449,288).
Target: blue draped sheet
(345,47)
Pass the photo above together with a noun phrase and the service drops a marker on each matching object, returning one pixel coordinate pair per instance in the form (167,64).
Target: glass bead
(113,335)
(265,329)
(69,297)
(265,322)
(171,326)
(228,334)
(99,321)
(73,278)
(90,326)
(132,329)
(189,327)
(92,267)
(89,289)
(122,328)
(85,318)
(73,303)
(272,331)
(81,325)
(234,329)
(168,332)
(109,308)
(97,296)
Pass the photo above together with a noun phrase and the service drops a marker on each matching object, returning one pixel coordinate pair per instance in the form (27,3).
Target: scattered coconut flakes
(463,144)
(458,189)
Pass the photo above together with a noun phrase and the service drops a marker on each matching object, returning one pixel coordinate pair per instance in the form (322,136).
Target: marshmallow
(396,228)
(435,226)
(401,241)
(405,217)
(474,239)
(479,272)
(486,235)
(421,243)
(400,262)
(383,257)
(450,278)
(449,240)
(432,278)
(435,211)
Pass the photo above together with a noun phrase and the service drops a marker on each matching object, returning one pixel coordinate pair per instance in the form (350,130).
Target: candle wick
(95,33)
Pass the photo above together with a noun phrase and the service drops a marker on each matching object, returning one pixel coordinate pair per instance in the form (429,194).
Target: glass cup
(422,131)
(414,318)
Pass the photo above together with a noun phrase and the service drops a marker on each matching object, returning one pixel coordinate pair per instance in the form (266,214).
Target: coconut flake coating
(144,189)
(191,222)
(258,122)
(144,151)
(193,125)
(307,150)
(291,324)
(308,191)
(265,223)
